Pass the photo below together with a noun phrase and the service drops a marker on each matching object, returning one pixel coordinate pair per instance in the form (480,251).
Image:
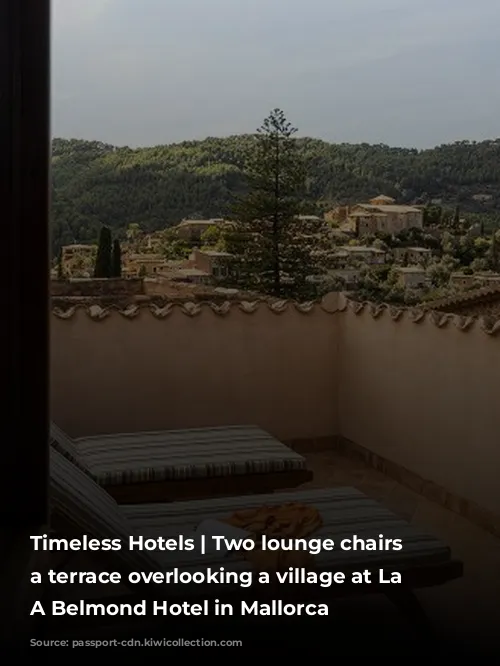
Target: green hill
(96,183)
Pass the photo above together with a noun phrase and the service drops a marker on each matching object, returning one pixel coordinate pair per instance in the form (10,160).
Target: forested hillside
(95,183)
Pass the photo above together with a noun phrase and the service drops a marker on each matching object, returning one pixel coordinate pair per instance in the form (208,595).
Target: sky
(401,72)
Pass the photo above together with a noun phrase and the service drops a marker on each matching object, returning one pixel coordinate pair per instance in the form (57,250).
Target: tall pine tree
(494,252)
(103,263)
(60,267)
(275,252)
(116,260)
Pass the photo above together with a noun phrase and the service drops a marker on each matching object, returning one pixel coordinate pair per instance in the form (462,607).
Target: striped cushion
(185,454)
(77,498)
(344,511)
(60,441)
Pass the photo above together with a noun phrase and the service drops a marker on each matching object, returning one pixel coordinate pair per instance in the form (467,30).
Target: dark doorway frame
(25,183)
(25,148)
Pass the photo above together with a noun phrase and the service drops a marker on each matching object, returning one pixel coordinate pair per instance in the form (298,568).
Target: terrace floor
(462,611)
(465,607)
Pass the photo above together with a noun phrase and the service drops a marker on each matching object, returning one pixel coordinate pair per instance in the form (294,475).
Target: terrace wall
(196,365)
(423,391)
(418,389)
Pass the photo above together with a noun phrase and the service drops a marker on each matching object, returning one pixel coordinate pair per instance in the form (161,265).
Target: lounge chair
(185,464)
(80,506)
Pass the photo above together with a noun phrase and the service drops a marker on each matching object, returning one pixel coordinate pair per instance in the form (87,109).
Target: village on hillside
(379,251)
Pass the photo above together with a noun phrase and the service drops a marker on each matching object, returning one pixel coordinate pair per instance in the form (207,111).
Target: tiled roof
(383,197)
(145,257)
(364,213)
(189,272)
(186,223)
(411,269)
(362,248)
(417,249)
(474,297)
(79,246)
(386,208)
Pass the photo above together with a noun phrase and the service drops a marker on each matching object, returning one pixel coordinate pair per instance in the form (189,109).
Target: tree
(60,267)
(116,259)
(494,252)
(213,238)
(172,247)
(134,232)
(103,263)
(275,252)
(439,272)
(380,245)
(432,215)
(449,243)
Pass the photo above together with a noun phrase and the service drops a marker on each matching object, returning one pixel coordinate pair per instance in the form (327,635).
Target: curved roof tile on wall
(473,297)
(331,304)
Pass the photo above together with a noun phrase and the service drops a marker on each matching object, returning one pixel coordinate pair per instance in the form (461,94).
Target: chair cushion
(74,496)
(344,512)
(63,443)
(185,454)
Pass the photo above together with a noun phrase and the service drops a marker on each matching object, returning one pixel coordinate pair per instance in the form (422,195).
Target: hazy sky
(402,72)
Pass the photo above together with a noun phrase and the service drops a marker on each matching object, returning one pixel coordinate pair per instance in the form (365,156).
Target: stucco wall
(184,370)
(420,390)
(424,396)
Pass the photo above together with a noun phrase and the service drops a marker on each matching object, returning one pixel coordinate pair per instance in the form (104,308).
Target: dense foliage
(458,249)
(116,259)
(104,260)
(272,250)
(95,184)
